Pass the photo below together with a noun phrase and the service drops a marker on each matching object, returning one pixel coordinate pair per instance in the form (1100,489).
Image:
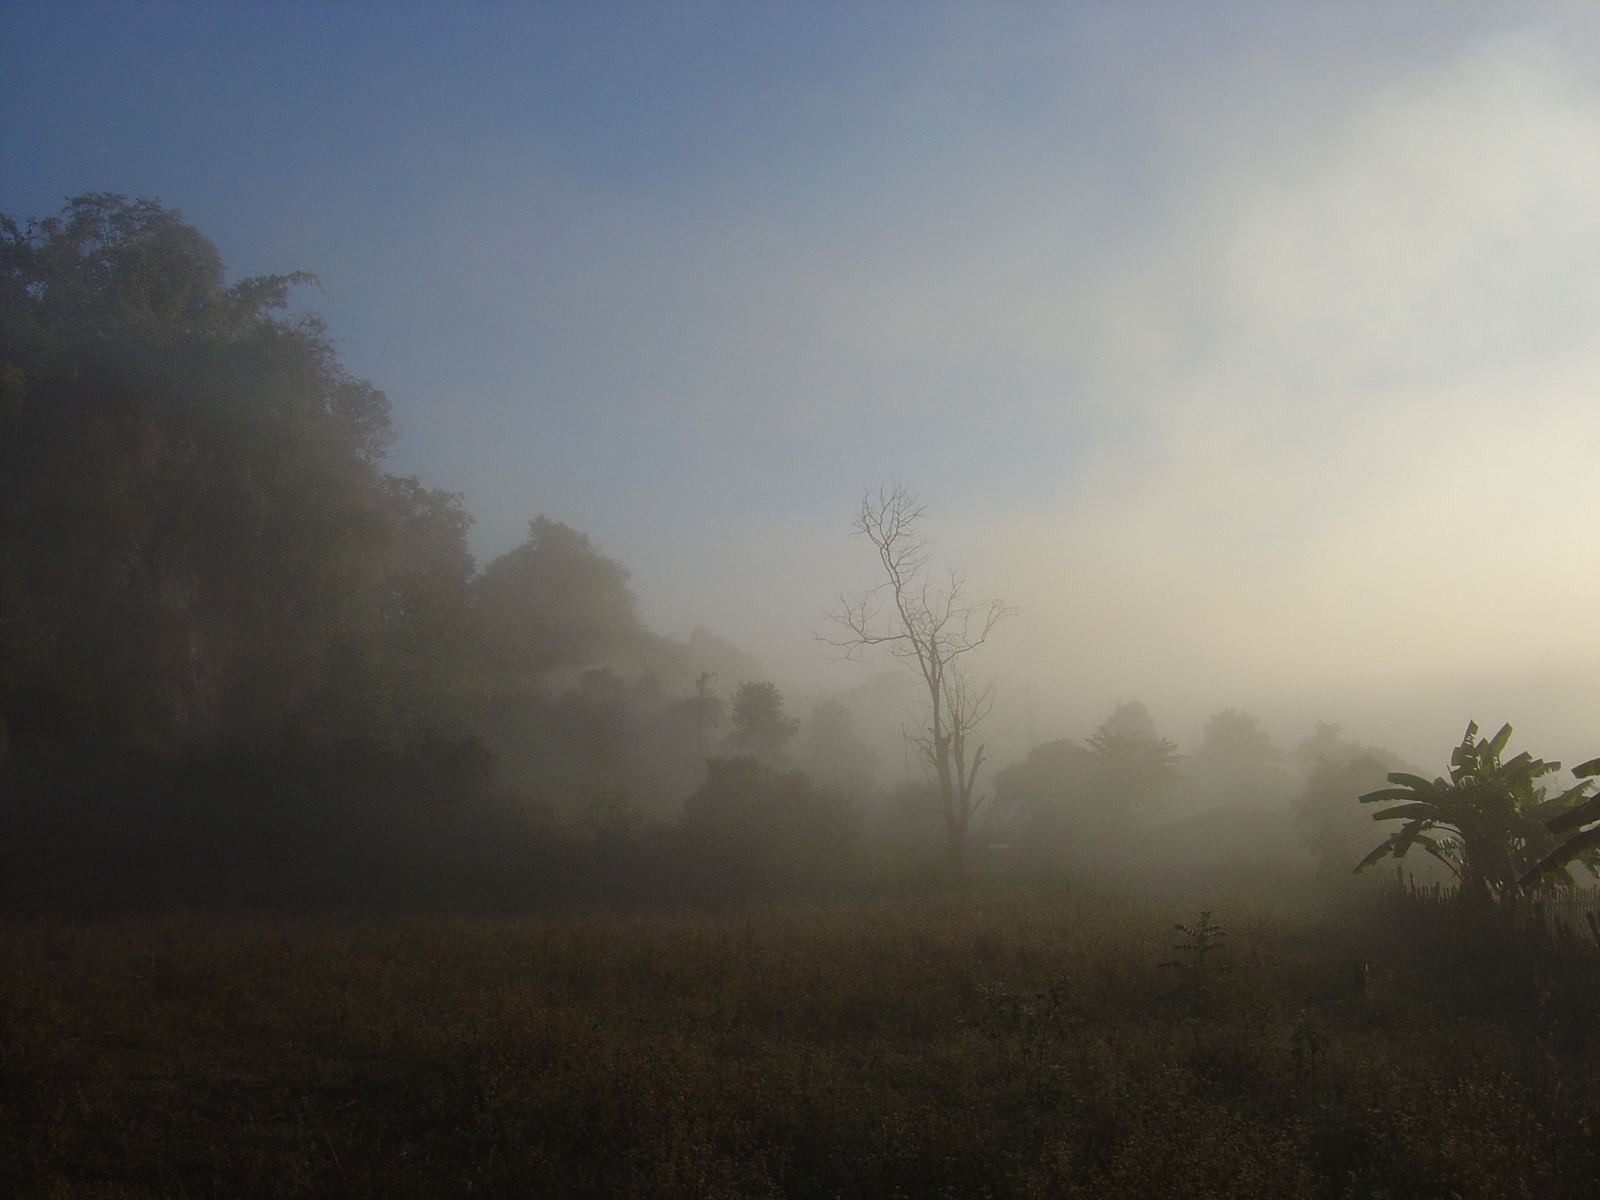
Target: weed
(830,1052)
(1200,964)
(1307,1041)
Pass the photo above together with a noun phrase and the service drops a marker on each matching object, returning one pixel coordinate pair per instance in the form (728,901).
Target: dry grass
(983,1046)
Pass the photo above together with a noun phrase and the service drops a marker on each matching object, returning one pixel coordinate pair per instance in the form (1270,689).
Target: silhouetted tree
(1055,779)
(705,711)
(835,754)
(194,529)
(238,657)
(928,621)
(1045,805)
(554,602)
(758,727)
(1132,770)
(1236,764)
(1337,772)
(754,830)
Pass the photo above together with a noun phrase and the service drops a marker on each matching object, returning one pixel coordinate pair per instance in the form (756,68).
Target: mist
(799,599)
(1244,353)
(1276,303)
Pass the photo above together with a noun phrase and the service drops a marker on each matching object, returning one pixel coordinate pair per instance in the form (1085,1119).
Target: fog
(1248,351)
(1253,374)
(1321,412)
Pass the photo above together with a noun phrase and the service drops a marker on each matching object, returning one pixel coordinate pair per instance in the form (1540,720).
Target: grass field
(1027,1044)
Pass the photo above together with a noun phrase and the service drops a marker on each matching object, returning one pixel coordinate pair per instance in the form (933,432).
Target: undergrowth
(1022,1046)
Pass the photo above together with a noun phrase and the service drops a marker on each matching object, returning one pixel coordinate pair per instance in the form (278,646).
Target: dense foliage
(195,529)
(1490,822)
(239,660)
(242,662)
(243,665)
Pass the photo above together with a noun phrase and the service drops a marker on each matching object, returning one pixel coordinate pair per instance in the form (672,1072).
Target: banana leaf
(1415,781)
(1533,833)
(1498,743)
(1574,818)
(1563,854)
(1520,762)
(1381,851)
(1439,852)
(1421,809)
(1549,809)
(1396,844)
(1524,769)
(1410,836)
(1389,794)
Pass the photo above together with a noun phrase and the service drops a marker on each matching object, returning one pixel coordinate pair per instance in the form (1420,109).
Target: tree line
(239,659)
(243,662)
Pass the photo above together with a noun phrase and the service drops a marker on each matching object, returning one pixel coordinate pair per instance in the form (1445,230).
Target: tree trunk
(955,852)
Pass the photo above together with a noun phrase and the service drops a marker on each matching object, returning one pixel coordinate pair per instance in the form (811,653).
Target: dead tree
(924,617)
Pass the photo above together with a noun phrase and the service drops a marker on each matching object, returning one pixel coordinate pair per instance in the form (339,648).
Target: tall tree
(759,727)
(193,508)
(1237,764)
(1131,768)
(835,753)
(1336,772)
(925,618)
(703,712)
(1045,805)
(555,602)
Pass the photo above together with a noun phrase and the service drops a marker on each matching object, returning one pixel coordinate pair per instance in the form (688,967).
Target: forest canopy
(196,528)
(226,629)
(242,661)
(200,543)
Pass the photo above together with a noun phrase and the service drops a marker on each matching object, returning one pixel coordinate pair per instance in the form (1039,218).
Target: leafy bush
(1495,818)
(754,830)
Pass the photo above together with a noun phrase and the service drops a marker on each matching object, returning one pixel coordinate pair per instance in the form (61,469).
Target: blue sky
(1209,332)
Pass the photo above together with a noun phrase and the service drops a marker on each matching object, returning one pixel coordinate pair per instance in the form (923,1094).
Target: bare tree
(925,617)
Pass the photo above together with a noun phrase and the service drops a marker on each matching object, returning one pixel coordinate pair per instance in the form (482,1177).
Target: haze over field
(1250,351)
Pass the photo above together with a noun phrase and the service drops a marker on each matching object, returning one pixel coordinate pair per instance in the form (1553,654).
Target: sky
(1251,351)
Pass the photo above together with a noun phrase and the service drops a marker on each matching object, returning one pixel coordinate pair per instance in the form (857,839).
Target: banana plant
(1576,829)
(1490,819)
